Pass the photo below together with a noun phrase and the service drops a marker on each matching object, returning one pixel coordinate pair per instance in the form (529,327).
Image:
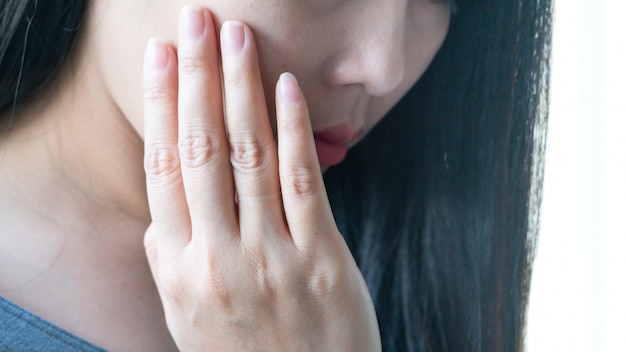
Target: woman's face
(353,58)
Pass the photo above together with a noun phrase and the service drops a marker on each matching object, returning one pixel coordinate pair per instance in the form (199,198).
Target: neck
(75,143)
(71,165)
(73,212)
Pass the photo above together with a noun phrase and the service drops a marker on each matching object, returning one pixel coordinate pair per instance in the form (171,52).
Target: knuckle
(160,160)
(247,153)
(324,275)
(325,283)
(156,94)
(215,286)
(262,280)
(197,149)
(192,64)
(299,181)
(233,80)
(172,282)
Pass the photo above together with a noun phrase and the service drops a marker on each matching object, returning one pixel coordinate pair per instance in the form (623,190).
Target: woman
(437,205)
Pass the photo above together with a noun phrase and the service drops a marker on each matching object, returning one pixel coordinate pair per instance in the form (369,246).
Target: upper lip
(342,133)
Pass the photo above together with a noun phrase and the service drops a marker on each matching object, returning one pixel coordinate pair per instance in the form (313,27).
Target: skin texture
(247,277)
(74,216)
(353,59)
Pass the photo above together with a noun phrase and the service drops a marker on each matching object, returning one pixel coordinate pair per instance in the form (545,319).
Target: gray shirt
(22,331)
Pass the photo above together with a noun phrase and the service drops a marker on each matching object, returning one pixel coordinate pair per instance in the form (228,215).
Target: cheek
(122,29)
(282,48)
(425,35)
(120,32)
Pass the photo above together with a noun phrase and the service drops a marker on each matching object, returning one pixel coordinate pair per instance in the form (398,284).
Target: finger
(202,142)
(166,197)
(150,244)
(306,204)
(253,149)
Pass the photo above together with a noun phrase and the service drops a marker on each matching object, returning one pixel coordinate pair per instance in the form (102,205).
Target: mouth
(332,143)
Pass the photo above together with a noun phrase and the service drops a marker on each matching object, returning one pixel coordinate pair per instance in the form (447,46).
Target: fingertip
(232,37)
(157,55)
(289,89)
(192,22)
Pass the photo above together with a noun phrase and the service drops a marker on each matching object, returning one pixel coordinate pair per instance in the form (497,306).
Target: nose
(373,52)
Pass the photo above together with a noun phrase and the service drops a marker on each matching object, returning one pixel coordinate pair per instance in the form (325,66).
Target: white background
(578,294)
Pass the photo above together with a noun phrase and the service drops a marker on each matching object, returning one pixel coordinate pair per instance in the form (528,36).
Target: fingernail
(157,55)
(233,37)
(288,88)
(192,22)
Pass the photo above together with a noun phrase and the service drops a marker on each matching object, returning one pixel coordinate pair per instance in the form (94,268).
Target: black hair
(439,203)
(36,38)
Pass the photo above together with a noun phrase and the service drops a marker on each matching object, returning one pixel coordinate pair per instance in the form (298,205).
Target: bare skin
(76,257)
(76,212)
(270,271)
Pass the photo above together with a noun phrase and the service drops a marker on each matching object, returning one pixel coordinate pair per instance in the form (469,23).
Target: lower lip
(329,153)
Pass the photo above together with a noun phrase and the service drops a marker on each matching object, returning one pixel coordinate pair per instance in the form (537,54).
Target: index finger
(166,196)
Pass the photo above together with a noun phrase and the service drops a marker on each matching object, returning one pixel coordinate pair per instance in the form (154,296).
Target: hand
(267,270)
